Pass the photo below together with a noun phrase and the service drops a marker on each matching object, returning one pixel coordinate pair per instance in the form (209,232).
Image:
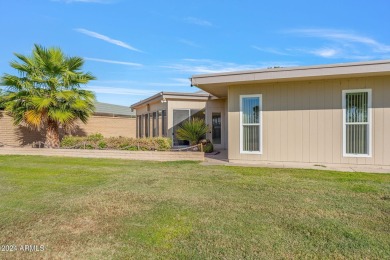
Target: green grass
(103,209)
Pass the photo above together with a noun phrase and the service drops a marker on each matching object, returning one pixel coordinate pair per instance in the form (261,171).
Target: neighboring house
(328,114)
(162,114)
(108,119)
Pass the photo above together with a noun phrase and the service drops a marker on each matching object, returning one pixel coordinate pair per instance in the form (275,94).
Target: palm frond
(192,130)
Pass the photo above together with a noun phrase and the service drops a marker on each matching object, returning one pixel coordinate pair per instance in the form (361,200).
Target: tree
(192,130)
(2,94)
(47,92)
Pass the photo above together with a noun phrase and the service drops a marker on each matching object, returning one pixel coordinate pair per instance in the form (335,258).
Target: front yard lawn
(100,209)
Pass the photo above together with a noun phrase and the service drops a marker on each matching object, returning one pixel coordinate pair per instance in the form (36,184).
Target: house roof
(113,110)
(217,83)
(199,95)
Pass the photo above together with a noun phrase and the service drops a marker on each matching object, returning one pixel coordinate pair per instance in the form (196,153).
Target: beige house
(162,114)
(330,114)
(108,119)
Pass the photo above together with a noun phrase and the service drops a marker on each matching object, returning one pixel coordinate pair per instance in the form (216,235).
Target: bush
(95,137)
(208,148)
(69,141)
(97,141)
(192,130)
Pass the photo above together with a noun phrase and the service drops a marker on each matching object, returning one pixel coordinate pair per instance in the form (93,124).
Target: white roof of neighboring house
(217,83)
(113,110)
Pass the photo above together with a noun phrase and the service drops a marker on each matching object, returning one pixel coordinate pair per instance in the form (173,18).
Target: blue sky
(138,48)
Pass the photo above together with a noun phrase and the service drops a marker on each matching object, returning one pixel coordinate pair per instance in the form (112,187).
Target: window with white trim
(250,124)
(357,123)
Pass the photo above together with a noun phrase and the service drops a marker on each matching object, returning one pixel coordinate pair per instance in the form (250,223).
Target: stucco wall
(107,126)
(302,121)
(17,135)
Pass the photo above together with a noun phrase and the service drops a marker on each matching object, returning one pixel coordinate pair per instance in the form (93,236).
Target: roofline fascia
(165,95)
(297,68)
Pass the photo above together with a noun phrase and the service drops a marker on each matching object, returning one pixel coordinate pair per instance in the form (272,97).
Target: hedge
(98,141)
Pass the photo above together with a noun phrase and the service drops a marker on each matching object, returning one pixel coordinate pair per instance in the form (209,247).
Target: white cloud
(189,43)
(85,1)
(115,62)
(175,82)
(197,21)
(106,39)
(204,66)
(335,44)
(172,82)
(120,91)
(270,50)
(343,37)
(325,52)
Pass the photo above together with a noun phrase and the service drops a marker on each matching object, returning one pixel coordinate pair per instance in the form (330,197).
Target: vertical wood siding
(303,122)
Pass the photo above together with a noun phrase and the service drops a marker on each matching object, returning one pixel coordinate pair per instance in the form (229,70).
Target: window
(250,124)
(216,128)
(146,125)
(155,124)
(164,122)
(357,123)
(139,126)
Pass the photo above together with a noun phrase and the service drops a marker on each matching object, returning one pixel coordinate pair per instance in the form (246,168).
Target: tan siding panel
(386,122)
(298,122)
(377,120)
(320,122)
(291,142)
(284,123)
(328,121)
(337,119)
(313,122)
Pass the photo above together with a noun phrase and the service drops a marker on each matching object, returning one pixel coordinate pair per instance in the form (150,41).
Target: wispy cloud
(120,91)
(325,52)
(175,82)
(189,43)
(86,1)
(201,66)
(197,21)
(106,39)
(343,36)
(115,62)
(334,44)
(271,50)
(170,82)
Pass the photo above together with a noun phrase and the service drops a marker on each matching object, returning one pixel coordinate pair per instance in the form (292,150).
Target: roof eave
(222,80)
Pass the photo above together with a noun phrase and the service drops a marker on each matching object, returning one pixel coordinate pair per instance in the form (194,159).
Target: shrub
(97,141)
(69,141)
(208,148)
(192,130)
(102,145)
(95,137)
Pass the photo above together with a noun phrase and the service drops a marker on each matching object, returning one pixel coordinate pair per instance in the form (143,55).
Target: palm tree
(1,99)
(192,130)
(46,94)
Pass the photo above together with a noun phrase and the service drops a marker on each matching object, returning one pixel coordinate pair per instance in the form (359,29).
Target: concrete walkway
(113,154)
(221,158)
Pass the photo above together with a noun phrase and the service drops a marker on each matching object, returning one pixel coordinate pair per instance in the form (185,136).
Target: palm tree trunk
(52,135)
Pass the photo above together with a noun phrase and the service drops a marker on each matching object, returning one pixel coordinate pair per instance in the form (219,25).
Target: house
(330,114)
(162,114)
(108,119)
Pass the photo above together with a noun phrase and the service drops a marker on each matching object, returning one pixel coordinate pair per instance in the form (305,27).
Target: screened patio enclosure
(180,116)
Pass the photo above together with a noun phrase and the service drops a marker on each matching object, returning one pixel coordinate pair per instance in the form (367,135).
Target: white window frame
(260,124)
(369,122)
